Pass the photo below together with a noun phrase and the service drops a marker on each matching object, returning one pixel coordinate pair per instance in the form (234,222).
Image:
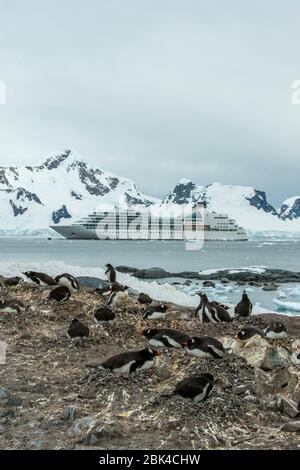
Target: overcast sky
(155,90)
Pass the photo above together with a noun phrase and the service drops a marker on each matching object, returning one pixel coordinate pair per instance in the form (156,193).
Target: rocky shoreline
(238,275)
(49,399)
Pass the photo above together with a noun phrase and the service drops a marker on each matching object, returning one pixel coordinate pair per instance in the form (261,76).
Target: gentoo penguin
(118,296)
(165,338)
(60,293)
(205,347)
(11,306)
(103,291)
(68,281)
(40,279)
(244,307)
(196,387)
(275,330)
(247,333)
(12,281)
(155,312)
(110,273)
(144,298)
(104,316)
(77,329)
(128,362)
(211,311)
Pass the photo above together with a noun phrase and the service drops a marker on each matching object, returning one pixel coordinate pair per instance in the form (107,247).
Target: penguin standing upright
(211,311)
(111,273)
(196,387)
(128,362)
(205,347)
(244,307)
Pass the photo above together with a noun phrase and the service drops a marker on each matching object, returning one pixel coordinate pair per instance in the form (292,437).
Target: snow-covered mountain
(60,189)
(64,188)
(248,206)
(290,208)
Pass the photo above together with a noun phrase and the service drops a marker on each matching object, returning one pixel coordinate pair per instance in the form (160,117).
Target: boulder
(293,426)
(259,353)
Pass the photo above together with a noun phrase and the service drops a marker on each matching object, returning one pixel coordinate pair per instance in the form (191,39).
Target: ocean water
(88,257)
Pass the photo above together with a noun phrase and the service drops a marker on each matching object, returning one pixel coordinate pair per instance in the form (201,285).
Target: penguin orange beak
(184,344)
(157,353)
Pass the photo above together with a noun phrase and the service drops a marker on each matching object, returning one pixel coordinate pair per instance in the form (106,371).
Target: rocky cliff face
(61,188)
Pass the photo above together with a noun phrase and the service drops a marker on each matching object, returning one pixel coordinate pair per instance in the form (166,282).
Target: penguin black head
(75,320)
(149,353)
(277,326)
(247,333)
(109,266)
(149,332)
(245,295)
(164,307)
(188,342)
(208,376)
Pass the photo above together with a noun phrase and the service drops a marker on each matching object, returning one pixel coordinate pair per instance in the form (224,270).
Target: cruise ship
(154,223)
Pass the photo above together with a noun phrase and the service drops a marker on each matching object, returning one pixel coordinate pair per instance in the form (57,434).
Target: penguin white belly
(125,369)
(9,310)
(146,365)
(172,342)
(156,315)
(156,343)
(67,283)
(119,299)
(201,395)
(199,353)
(273,335)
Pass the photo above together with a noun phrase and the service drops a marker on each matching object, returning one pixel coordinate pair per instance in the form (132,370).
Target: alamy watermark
(186,223)
(295,96)
(2,92)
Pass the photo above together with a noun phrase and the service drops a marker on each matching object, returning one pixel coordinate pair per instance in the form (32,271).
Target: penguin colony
(196,387)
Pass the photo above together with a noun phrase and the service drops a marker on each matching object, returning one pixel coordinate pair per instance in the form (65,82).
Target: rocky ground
(50,400)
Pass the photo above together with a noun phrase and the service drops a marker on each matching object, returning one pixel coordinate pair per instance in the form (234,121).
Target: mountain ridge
(75,188)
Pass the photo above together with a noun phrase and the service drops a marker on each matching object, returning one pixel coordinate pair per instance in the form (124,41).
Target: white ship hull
(80,232)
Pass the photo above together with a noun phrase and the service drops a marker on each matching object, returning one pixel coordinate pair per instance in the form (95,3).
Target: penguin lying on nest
(104,316)
(165,338)
(69,281)
(155,312)
(60,294)
(205,347)
(77,329)
(196,387)
(144,299)
(276,330)
(128,362)
(211,311)
(248,332)
(40,279)
(11,306)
